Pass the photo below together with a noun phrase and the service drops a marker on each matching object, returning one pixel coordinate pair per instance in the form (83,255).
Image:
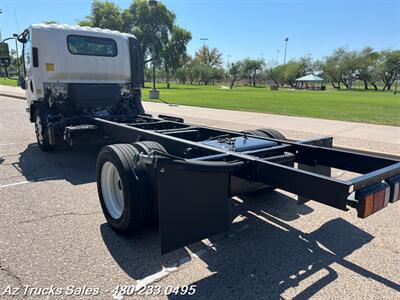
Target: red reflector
(369,206)
(379,200)
(371,199)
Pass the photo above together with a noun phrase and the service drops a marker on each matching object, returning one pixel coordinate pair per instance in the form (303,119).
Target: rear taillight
(394,183)
(372,199)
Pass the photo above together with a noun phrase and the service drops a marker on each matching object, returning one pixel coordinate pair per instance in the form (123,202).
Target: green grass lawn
(6,81)
(359,106)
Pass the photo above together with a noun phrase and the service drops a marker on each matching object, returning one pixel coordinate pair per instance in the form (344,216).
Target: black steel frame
(175,137)
(194,181)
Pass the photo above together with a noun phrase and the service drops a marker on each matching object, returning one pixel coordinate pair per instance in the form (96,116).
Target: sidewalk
(12,91)
(378,138)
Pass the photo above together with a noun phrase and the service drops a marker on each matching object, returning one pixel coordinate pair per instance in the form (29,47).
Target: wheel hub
(112,190)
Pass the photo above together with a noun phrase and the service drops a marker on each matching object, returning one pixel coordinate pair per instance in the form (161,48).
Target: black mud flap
(193,202)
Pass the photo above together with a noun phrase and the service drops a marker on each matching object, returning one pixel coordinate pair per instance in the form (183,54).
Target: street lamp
(284,59)
(204,41)
(1,11)
(154,93)
(277,57)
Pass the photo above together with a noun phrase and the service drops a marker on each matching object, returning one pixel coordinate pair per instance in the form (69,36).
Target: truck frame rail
(202,156)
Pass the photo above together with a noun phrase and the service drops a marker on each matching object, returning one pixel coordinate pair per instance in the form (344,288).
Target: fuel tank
(239,144)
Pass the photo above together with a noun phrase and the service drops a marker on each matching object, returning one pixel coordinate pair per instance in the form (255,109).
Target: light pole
(204,41)
(277,57)
(154,93)
(284,59)
(1,11)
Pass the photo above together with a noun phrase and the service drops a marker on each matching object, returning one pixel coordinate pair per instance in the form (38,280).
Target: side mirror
(22,83)
(4,55)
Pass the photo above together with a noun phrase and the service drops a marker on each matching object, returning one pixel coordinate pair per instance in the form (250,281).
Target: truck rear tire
(126,190)
(146,147)
(267,132)
(273,133)
(42,134)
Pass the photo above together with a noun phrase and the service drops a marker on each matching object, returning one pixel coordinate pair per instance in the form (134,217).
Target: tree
(152,26)
(105,15)
(182,74)
(50,22)
(307,66)
(191,68)
(174,52)
(367,62)
(332,69)
(293,70)
(13,69)
(349,67)
(205,72)
(234,72)
(209,57)
(250,67)
(218,74)
(388,66)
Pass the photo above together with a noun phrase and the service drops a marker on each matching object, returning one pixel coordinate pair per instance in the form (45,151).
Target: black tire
(146,147)
(42,134)
(136,188)
(267,132)
(273,133)
(256,132)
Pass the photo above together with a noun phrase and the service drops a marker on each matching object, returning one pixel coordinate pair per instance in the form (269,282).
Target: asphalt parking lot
(53,233)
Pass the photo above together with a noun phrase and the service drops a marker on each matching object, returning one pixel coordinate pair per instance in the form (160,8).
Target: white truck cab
(72,73)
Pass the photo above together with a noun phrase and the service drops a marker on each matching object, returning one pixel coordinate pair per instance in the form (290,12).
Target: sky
(239,28)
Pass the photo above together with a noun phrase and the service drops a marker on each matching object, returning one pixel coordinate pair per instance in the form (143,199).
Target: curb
(12,95)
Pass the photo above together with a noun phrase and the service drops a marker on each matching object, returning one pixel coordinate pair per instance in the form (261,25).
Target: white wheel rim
(112,190)
(39,129)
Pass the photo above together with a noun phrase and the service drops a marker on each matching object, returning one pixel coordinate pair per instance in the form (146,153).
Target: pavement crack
(11,274)
(55,216)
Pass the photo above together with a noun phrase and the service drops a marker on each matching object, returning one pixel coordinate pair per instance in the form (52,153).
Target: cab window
(89,45)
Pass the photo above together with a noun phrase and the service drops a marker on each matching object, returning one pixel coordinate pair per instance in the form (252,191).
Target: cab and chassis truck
(84,83)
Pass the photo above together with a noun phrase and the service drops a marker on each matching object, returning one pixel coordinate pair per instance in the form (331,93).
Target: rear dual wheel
(268,133)
(126,190)
(42,134)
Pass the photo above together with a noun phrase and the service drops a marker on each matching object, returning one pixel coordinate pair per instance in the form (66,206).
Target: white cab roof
(80,29)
